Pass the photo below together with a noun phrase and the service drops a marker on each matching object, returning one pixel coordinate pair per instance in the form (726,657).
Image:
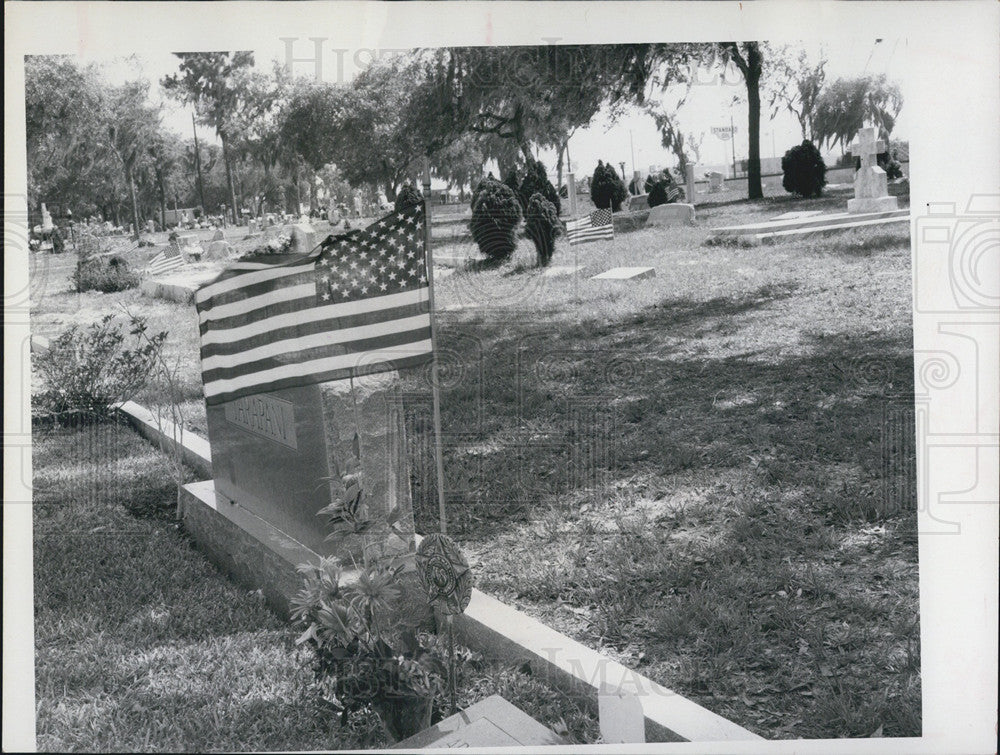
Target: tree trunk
(229,177)
(135,204)
(752,76)
(163,200)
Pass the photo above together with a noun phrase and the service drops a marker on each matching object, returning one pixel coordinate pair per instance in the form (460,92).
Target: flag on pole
(164,263)
(356,305)
(674,193)
(596,225)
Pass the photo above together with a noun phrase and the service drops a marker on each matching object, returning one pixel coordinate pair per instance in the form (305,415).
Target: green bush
(804,170)
(407,197)
(495,216)
(536,181)
(86,371)
(543,226)
(607,188)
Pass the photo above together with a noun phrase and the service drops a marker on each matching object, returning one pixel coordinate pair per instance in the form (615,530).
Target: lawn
(708,475)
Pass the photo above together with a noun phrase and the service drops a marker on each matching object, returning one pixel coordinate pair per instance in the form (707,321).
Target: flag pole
(435,388)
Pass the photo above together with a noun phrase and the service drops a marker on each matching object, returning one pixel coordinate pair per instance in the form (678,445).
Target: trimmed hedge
(804,169)
(543,226)
(496,213)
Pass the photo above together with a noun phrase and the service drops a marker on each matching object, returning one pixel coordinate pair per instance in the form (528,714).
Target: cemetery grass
(141,645)
(708,475)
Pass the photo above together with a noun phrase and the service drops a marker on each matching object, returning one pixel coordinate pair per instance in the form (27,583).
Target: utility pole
(732,135)
(197,165)
(632,147)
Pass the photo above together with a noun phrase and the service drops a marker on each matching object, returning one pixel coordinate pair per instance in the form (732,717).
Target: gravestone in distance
(665,215)
(871,191)
(638,202)
(285,454)
(715,181)
(218,235)
(218,250)
(304,237)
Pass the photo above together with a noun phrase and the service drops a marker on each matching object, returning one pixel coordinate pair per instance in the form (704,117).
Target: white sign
(724,132)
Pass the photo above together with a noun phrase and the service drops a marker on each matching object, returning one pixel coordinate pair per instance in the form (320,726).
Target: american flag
(596,225)
(356,305)
(674,193)
(164,263)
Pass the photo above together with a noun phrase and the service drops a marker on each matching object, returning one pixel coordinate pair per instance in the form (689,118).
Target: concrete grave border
(260,556)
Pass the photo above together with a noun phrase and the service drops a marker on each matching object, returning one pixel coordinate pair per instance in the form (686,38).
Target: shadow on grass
(535,413)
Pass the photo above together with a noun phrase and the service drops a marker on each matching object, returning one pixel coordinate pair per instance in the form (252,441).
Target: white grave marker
(625,274)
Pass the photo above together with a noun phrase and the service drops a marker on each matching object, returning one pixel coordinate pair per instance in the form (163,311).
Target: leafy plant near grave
(889,162)
(662,189)
(97,272)
(364,638)
(496,213)
(804,169)
(536,181)
(407,197)
(607,188)
(543,226)
(86,371)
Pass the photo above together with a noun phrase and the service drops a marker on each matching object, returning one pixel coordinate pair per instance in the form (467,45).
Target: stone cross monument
(871,190)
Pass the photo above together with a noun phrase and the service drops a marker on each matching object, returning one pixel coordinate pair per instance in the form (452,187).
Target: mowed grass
(708,475)
(141,645)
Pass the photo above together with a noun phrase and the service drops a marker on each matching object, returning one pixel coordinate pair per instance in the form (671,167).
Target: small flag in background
(163,263)
(674,193)
(359,304)
(596,225)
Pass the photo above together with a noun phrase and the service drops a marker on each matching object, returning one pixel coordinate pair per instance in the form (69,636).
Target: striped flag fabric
(358,304)
(596,225)
(674,193)
(164,263)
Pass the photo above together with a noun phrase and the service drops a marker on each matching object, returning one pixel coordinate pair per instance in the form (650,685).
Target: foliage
(87,371)
(889,162)
(795,83)
(407,197)
(662,189)
(804,170)
(607,188)
(536,181)
(496,213)
(362,654)
(104,274)
(542,225)
(97,271)
(847,105)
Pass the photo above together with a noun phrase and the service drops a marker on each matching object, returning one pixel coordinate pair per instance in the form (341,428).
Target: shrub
(536,181)
(104,274)
(607,188)
(542,226)
(513,180)
(88,371)
(662,189)
(495,216)
(407,197)
(889,162)
(804,169)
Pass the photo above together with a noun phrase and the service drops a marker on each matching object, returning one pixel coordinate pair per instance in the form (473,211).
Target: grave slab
(665,215)
(493,722)
(799,214)
(625,273)
(178,287)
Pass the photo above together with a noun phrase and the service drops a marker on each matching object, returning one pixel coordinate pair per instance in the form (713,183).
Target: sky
(632,138)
